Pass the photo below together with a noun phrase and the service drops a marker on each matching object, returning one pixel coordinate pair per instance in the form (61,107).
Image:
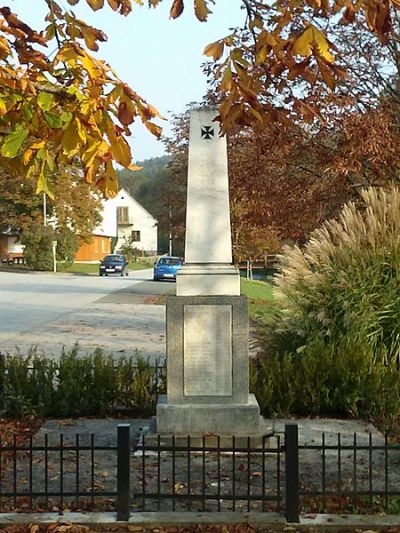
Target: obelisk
(207,320)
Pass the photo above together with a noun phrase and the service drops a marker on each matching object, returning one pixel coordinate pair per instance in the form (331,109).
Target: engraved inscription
(207,356)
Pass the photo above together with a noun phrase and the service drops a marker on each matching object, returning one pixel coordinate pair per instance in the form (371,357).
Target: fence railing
(59,472)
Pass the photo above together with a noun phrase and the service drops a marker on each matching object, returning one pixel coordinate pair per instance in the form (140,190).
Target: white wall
(141,221)
(108,226)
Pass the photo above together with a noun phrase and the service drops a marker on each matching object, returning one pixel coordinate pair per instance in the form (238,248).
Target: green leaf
(27,111)
(42,184)
(53,120)
(66,117)
(45,101)
(13,142)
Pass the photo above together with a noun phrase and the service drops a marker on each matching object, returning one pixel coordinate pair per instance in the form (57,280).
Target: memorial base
(218,419)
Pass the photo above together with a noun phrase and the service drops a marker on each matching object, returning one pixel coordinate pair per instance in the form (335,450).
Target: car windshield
(114,259)
(170,261)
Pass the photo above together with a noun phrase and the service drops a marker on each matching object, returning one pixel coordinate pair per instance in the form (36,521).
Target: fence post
(292,472)
(123,473)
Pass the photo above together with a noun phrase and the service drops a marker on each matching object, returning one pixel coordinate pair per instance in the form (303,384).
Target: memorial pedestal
(208,369)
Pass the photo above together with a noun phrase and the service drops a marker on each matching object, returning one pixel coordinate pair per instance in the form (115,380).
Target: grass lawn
(93,268)
(261,298)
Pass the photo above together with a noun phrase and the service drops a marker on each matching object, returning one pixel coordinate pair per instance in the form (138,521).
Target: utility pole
(44,210)
(54,250)
(170,232)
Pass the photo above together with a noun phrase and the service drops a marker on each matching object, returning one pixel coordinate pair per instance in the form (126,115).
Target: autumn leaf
(13,142)
(201,10)
(121,151)
(3,108)
(45,101)
(95,4)
(126,112)
(312,39)
(214,50)
(227,80)
(154,129)
(327,75)
(53,120)
(176,9)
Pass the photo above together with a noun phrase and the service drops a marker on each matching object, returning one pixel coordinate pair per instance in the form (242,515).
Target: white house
(135,225)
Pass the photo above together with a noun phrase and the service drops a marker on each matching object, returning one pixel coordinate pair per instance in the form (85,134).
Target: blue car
(167,267)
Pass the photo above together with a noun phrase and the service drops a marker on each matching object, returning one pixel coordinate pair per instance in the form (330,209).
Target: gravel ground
(183,473)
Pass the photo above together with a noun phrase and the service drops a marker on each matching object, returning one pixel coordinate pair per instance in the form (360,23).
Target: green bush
(341,380)
(38,251)
(67,245)
(334,341)
(78,385)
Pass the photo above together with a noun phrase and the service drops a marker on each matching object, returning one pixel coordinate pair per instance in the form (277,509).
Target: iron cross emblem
(207,132)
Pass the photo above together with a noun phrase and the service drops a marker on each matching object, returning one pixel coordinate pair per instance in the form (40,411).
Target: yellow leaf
(27,156)
(201,10)
(70,140)
(176,9)
(261,55)
(108,183)
(302,45)
(95,4)
(42,184)
(80,129)
(121,151)
(91,153)
(134,167)
(3,108)
(313,39)
(323,46)
(214,50)
(4,48)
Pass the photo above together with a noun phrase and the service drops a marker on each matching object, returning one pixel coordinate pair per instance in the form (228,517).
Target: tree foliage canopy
(68,105)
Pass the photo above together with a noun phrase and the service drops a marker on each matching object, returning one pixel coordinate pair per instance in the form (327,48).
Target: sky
(158,57)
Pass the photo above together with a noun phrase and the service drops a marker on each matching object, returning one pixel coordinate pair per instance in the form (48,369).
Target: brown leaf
(125,113)
(214,50)
(176,9)
(95,4)
(201,10)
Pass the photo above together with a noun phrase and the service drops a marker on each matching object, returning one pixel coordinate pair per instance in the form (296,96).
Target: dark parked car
(114,264)
(167,267)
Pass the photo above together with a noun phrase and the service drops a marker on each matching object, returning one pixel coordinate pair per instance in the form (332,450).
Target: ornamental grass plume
(345,283)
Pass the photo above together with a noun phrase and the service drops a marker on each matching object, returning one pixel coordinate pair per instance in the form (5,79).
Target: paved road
(51,311)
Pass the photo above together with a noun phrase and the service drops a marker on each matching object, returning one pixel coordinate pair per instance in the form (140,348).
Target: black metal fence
(209,474)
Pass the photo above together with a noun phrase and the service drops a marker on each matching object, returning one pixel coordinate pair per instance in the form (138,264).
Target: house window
(136,236)
(122,215)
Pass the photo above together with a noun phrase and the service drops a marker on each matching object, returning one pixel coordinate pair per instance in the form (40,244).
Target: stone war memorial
(207,320)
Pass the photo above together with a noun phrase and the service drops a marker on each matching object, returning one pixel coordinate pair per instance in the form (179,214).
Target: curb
(273,521)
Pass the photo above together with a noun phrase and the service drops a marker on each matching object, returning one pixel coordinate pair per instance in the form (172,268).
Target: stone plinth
(241,419)
(204,280)
(208,368)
